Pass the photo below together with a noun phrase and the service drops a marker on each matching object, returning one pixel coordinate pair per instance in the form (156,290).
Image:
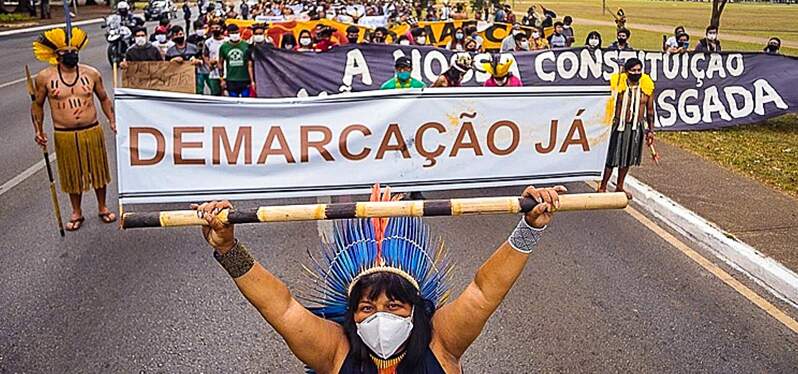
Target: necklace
(61,78)
(384,364)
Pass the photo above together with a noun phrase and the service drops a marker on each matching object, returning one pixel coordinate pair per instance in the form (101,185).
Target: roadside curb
(49,26)
(765,271)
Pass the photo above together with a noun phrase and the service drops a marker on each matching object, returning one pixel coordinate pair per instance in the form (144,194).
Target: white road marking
(7,186)
(47,27)
(20,80)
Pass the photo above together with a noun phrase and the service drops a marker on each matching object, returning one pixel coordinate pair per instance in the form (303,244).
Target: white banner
(373,21)
(179,147)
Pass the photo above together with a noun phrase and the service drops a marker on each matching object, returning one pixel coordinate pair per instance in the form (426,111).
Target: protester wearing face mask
(259,41)
(71,89)
(633,121)
(593,40)
(500,74)
(538,42)
(672,41)
(557,39)
(305,41)
(162,41)
(682,44)
(508,43)
(568,31)
(352,34)
(622,41)
(710,43)
(458,41)
(141,50)
(379,35)
(182,51)
(453,76)
(233,53)
(774,44)
(471,45)
(418,36)
(521,42)
(325,42)
(402,78)
(385,311)
(474,34)
(211,57)
(288,41)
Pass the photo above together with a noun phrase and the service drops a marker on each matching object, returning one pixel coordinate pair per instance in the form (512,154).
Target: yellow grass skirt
(82,160)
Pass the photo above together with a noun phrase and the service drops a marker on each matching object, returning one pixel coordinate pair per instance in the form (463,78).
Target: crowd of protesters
(222,52)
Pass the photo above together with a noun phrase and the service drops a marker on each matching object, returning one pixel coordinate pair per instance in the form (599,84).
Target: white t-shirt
(212,46)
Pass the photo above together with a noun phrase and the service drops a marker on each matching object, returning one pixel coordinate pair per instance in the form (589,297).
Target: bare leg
(621,177)
(76,219)
(106,214)
(605,179)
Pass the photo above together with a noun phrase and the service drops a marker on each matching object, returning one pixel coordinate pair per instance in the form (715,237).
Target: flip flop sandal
(105,217)
(76,224)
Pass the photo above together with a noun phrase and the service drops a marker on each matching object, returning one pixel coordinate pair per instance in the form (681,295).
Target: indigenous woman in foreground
(632,123)
(380,291)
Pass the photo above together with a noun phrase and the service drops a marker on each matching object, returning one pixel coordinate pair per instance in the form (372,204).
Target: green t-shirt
(235,61)
(394,83)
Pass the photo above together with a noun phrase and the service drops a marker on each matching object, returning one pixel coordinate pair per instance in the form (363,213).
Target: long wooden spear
(53,195)
(422,208)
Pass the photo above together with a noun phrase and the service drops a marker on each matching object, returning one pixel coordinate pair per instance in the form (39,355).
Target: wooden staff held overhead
(54,196)
(422,208)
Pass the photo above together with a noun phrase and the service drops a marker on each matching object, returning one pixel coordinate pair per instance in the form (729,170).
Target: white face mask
(235,37)
(385,332)
(525,45)
(160,38)
(404,42)
(201,32)
(593,42)
(304,41)
(141,41)
(259,38)
(421,40)
(535,35)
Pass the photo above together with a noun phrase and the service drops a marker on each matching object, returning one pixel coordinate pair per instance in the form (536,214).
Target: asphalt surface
(601,294)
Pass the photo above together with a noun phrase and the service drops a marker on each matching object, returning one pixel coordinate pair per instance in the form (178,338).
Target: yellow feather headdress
(498,68)
(49,42)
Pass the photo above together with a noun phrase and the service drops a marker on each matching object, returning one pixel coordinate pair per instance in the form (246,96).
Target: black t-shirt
(148,52)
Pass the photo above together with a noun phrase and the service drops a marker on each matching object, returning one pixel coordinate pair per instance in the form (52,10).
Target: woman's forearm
(498,274)
(264,291)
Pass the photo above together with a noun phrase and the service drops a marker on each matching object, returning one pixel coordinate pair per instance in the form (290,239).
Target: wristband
(237,261)
(524,238)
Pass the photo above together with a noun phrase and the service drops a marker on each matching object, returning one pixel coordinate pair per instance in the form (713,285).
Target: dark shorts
(237,89)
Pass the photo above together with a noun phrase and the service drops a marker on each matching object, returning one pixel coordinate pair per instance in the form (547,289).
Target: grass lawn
(14,17)
(768,151)
(762,20)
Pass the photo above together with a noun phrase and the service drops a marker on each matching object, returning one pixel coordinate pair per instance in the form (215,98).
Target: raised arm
(315,341)
(458,324)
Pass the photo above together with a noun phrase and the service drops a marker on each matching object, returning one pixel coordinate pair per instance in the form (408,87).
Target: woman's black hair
(288,38)
(395,288)
(593,34)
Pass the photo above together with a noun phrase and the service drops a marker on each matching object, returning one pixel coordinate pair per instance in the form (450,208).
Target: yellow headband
(53,40)
(387,269)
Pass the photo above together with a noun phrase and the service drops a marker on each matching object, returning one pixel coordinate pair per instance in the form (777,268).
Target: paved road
(602,293)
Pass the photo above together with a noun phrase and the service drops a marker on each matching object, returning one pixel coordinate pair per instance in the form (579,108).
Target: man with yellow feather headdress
(632,121)
(79,143)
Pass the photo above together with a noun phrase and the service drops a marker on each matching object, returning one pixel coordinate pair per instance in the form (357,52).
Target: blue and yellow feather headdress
(359,247)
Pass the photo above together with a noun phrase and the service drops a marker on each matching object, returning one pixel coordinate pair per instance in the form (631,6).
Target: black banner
(694,90)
